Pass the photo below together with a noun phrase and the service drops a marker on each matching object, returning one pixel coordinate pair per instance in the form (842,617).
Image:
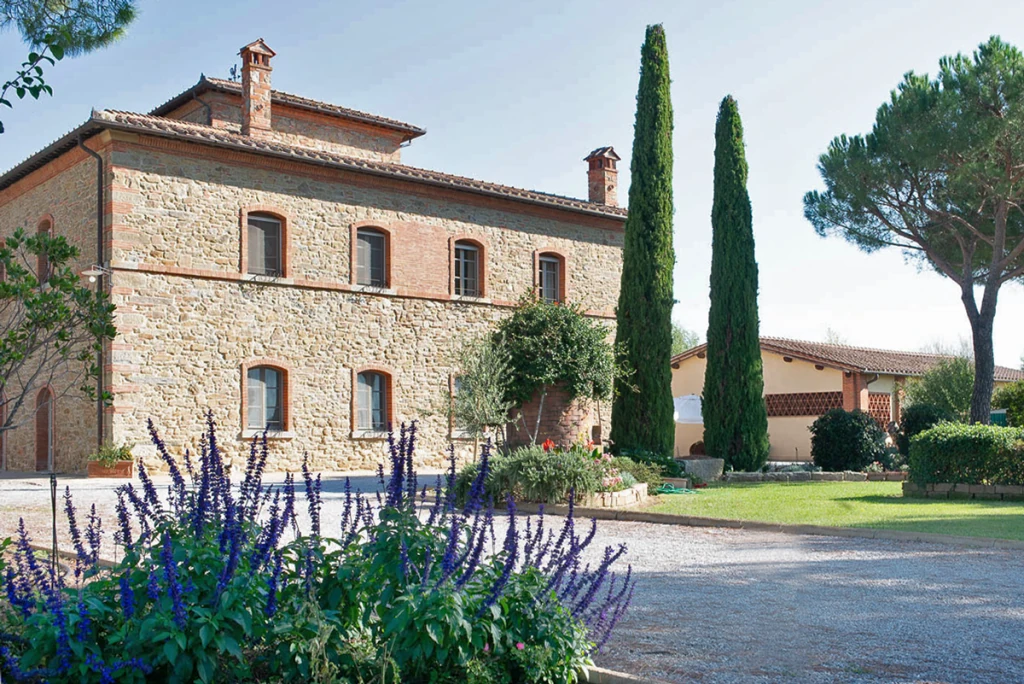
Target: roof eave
(52,151)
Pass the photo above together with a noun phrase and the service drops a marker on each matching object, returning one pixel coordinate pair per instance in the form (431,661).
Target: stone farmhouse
(271,258)
(804,380)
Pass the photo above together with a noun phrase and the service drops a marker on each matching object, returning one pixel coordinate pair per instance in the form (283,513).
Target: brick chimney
(603,177)
(256,87)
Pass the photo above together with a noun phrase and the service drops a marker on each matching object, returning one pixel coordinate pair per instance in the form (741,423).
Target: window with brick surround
(371,258)
(550,277)
(372,401)
(265,398)
(467,269)
(265,245)
(42,261)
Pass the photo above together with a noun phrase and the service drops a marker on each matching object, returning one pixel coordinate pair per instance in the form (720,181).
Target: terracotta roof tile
(861,359)
(199,133)
(276,96)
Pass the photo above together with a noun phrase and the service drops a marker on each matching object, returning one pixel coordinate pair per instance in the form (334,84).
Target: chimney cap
(603,152)
(258,46)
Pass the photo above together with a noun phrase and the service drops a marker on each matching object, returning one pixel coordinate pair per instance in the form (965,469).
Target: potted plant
(112,461)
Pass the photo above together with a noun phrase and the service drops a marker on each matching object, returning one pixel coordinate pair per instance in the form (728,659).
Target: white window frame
(462,250)
(544,275)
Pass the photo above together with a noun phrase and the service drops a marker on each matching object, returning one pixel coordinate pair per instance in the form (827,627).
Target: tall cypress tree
(735,420)
(642,411)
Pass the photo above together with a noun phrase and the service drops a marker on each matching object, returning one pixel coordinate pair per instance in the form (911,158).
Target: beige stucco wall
(788,435)
(188,318)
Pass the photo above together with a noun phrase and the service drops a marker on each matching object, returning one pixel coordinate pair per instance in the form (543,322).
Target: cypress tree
(735,420)
(642,411)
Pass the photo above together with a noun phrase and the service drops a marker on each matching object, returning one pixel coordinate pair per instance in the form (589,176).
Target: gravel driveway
(729,606)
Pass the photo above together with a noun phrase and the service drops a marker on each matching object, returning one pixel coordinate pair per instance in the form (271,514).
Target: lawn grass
(848,504)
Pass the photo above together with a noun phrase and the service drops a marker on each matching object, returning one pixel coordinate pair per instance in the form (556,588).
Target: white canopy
(687,410)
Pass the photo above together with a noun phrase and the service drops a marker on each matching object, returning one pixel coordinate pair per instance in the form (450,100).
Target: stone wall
(562,421)
(189,319)
(299,127)
(63,192)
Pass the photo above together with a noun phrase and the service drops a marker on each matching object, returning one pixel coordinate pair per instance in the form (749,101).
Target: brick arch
(563,281)
(389,388)
(282,215)
(388,233)
(483,249)
(46,429)
(286,391)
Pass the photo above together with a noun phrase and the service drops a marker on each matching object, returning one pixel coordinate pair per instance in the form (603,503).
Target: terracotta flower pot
(123,469)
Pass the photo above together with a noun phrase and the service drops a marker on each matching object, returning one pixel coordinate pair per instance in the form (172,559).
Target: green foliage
(50,331)
(937,179)
(1011,398)
(968,454)
(642,412)
(480,401)
(110,454)
(917,418)
(56,29)
(651,473)
(669,466)
(534,473)
(846,440)
(554,344)
(948,386)
(735,418)
(683,339)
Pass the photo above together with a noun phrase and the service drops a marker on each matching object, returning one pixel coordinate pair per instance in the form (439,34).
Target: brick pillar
(562,421)
(855,391)
(256,87)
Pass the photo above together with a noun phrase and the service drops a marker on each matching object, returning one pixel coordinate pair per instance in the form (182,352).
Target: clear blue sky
(519,92)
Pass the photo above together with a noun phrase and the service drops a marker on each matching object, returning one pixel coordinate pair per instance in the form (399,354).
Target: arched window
(372,401)
(44,430)
(467,269)
(371,257)
(42,261)
(265,398)
(265,245)
(551,277)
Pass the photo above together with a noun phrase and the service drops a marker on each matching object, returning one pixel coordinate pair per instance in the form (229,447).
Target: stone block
(826,477)
(799,477)
(1012,490)
(776,477)
(875,477)
(850,476)
(896,476)
(744,477)
(706,469)
(941,487)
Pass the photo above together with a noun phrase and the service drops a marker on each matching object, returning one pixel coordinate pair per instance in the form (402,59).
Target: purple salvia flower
(272,586)
(84,621)
(511,549)
(152,586)
(93,536)
(151,497)
(18,596)
(161,449)
(127,596)
(82,557)
(174,589)
(124,534)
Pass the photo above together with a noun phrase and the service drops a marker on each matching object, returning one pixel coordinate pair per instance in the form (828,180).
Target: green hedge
(968,454)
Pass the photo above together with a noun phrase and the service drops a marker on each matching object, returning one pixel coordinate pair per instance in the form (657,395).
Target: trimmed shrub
(651,473)
(917,418)
(1011,398)
(846,440)
(530,473)
(968,454)
(669,466)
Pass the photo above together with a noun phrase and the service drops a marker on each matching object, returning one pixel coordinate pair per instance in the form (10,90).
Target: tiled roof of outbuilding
(860,359)
(183,130)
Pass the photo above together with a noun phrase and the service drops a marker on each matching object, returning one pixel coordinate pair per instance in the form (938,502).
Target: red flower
(548,445)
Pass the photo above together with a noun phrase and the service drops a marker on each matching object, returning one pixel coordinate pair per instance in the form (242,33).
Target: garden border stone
(804,476)
(960,490)
(815,530)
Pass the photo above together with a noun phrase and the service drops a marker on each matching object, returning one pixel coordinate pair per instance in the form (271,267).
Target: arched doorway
(44,430)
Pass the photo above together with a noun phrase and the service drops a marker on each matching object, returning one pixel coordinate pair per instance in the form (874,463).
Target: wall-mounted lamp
(94,272)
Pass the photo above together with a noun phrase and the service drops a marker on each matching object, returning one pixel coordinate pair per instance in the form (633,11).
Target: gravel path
(735,606)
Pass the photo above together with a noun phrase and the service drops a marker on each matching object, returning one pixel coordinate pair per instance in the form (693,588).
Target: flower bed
(217,582)
(637,494)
